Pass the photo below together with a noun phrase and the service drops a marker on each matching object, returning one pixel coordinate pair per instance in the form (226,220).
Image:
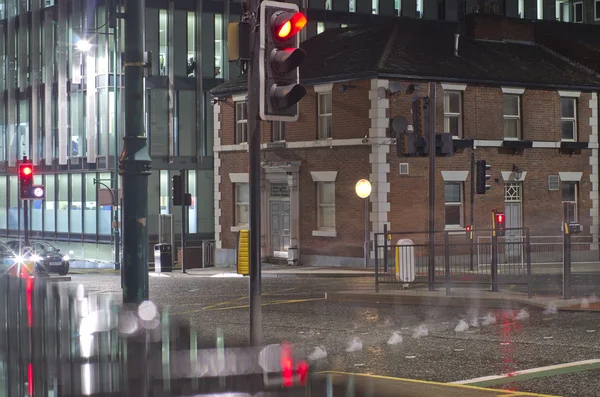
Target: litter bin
(163,258)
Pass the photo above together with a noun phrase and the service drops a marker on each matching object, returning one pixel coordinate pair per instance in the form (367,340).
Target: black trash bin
(163,258)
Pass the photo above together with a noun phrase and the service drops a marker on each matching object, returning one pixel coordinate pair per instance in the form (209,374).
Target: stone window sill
(239,227)
(324,233)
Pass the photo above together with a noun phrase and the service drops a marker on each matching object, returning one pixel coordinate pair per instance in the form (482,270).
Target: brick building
(529,111)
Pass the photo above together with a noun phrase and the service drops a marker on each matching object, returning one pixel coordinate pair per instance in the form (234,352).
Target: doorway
(279,220)
(513,210)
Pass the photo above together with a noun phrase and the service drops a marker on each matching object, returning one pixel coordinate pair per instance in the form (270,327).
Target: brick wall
(408,196)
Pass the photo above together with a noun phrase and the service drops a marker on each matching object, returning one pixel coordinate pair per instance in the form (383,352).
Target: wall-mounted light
(344,87)
(517,172)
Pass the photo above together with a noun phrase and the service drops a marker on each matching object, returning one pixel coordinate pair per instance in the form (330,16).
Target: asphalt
(295,310)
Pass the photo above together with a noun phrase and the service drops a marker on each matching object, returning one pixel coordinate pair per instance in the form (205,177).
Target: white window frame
(450,115)
(277,131)
(560,7)
(513,117)
(326,89)
(597,10)
(321,206)
(571,119)
(321,177)
(460,204)
(241,125)
(578,3)
(240,204)
(575,203)
(320,27)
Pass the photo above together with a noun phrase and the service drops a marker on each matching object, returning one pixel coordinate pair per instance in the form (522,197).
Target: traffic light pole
(135,163)
(26,222)
(253,7)
(183,209)
(472,210)
(432,151)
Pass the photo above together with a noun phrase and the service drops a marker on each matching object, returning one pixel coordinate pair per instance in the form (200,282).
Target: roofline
(491,82)
(439,79)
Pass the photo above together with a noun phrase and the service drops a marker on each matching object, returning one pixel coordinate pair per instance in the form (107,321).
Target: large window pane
(191,43)
(111,122)
(102,100)
(164,191)
(37,208)
(23,129)
(218,46)
(159,127)
(77,124)
(3,196)
(187,123)
(62,213)
(3,129)
(89,212)
(192,209)
(13,209)
(105,212)
(163,42)
(50,205)
(76,204)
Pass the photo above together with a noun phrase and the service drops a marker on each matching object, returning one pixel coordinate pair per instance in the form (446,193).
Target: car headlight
(19,259)
(66,258)
(36,258)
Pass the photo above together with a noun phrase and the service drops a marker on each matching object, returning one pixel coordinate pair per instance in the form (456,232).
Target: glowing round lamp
(363,188)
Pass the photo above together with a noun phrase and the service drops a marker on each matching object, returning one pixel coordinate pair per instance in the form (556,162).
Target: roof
(420,49)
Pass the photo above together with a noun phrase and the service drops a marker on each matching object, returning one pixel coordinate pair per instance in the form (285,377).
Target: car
(47,258)
(7,258)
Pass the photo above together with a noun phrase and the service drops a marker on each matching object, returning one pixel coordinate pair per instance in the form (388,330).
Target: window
(191,44)
(352,5)
(569,201)
(242,204)
(452,112)
(326,205)
(597,10)
(241,122)
(277,131)
(218,46)
(325,115)
(568,119)
(163,52)
(454,204)
(375,6)
(578,12)
(320,27)
(328,4)
(512,116)
(562,11)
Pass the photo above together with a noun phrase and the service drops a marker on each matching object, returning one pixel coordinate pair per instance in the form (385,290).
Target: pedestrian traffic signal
(500,221)
(25,181)
(177,190)
(279,61)
(469,230)
(482,167)
(420,114)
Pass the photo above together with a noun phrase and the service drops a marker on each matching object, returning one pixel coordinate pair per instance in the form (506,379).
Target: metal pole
(254,177)
(183,208)
(366,232)
(472,247)
(376,248)
(566,262)
(528,250)
(431,148)
(494,267)
(135,163)
(115,127)
(26,221)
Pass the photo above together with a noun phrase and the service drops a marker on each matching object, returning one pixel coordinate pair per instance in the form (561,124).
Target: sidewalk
(462,297)
(285,271)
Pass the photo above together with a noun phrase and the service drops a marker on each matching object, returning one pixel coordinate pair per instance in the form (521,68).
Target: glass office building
(60,103)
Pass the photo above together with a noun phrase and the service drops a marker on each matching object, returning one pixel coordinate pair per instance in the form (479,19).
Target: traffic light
(279,60)
(469,230)
(500,222)
(176,190)
(420,115)
(406,144)
(25,181)
(482,167)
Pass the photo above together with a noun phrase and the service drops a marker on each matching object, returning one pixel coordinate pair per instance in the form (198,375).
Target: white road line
(549,368)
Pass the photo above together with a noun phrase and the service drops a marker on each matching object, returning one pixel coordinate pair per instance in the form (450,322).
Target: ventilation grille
(403,168)
(553,182)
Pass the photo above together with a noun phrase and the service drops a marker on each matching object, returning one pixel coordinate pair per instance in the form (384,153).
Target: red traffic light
(500,218)
(287,24)
(468,228)
(26,170)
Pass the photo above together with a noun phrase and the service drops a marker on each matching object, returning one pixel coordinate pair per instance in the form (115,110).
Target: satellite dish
(399,124)
(381,93)
(395,87)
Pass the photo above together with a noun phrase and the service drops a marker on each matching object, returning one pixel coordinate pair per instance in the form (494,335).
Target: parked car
(7,258)
(47,258)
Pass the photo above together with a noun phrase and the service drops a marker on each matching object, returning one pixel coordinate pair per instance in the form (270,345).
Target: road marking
(278,302)
(533,373)
(503,393)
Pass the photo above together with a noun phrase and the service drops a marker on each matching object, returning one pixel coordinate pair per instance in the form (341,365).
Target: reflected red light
(303,371)
(29,292)
(30,379)
(287,366)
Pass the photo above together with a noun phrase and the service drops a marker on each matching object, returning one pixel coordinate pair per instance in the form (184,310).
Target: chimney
(456,39)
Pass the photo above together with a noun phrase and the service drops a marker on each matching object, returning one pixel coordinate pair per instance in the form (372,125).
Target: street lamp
(363,190)
(83,45)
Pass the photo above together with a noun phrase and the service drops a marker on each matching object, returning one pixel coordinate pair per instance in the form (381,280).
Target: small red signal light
(287,25)
(500,218)
(468,228)
(27,171)
(303,371)
(287,365)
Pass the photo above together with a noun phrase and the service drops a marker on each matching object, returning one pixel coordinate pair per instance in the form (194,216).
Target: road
(294,309)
